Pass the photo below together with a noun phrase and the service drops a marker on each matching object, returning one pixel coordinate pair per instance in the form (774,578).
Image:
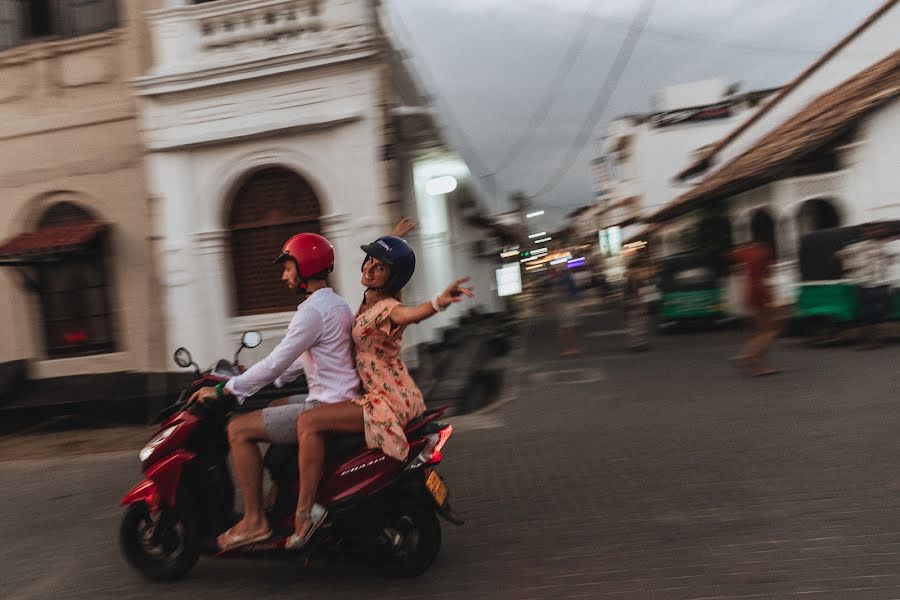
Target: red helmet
(313,255)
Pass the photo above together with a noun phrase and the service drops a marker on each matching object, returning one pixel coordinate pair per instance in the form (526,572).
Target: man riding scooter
(317,342)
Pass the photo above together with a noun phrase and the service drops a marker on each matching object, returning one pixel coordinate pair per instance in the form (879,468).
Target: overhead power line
(431,84)
(543,109)
(606,91)
(617,23)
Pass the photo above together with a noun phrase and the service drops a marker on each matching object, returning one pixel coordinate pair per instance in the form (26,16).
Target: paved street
(613,475)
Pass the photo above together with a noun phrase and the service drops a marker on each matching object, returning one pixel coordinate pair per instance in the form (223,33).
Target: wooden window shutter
(273,205)
(64,213)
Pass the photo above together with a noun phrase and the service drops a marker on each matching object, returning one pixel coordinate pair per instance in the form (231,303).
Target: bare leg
(272,494)
(343,417)
(748,351)
(770,329)
(244,432)
(569,341)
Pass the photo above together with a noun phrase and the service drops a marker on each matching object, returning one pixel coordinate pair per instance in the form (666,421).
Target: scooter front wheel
(162,549)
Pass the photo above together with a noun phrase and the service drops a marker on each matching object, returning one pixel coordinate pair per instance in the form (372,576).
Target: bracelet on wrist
(220,390)
(437,305)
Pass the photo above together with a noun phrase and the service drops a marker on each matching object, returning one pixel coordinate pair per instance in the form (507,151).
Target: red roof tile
(51,240)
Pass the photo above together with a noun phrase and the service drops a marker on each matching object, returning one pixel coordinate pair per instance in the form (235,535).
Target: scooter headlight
(153,444)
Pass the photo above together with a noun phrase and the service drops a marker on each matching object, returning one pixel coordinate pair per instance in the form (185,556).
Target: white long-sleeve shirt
(318,343)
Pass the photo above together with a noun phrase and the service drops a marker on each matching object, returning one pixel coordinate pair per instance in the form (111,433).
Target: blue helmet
(398,255)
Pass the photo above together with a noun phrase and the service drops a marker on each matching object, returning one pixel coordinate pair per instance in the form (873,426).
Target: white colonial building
(264,118)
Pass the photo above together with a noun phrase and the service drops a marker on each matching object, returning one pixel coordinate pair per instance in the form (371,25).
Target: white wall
(691,94)
(875,183)
(194,182)
(660,153)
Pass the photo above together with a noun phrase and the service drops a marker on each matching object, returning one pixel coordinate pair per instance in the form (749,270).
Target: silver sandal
(316,516)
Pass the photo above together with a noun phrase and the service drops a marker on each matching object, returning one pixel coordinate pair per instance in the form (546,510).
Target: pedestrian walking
(566,298)
(637,307)
(755,259)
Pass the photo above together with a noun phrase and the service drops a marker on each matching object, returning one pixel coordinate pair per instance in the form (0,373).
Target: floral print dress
(392,398)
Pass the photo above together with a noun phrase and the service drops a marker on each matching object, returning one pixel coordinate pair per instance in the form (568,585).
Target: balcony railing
(232,31)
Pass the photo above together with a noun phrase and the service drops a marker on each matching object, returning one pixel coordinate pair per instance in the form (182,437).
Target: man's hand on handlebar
(204,395)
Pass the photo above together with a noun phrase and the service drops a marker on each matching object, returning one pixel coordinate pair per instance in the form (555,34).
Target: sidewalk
(26,446)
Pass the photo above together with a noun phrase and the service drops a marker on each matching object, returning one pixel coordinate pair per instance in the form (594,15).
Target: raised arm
(403,227)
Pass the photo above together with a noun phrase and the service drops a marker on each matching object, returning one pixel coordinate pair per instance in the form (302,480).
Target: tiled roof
(51,240)
(819,122)
(702,160)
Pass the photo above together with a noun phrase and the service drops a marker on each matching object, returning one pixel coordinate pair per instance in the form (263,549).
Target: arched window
(817,214)
(270,207)
(762,229)
(74,287)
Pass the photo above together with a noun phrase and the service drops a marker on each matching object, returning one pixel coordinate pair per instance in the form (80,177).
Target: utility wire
(430,84)
(615,23)
(540,114)
(606,91)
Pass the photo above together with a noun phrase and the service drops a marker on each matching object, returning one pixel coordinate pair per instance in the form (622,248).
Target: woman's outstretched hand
(455,292)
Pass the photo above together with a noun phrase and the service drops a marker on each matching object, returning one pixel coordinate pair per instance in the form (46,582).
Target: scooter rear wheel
(413,535)
(163,555)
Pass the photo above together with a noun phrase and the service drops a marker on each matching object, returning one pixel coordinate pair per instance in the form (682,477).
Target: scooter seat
(281,459)
(343,443)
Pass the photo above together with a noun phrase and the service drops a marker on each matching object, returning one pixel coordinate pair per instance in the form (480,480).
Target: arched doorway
(817,214)
(271,205)
(762,229)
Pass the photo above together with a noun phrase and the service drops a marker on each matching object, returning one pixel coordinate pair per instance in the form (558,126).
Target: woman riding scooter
(391,396)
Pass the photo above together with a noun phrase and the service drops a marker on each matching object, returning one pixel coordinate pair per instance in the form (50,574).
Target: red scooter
(379,509)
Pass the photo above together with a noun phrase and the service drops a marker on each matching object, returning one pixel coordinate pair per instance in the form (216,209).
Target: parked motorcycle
(379,509)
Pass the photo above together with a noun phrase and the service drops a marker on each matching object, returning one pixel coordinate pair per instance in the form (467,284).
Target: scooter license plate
(437,488)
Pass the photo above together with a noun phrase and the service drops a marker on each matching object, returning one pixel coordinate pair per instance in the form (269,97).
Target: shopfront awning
(50,242)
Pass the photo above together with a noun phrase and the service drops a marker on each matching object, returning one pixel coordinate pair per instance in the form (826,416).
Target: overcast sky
(492,61)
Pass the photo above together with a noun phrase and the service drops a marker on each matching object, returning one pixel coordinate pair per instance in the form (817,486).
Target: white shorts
(281,421)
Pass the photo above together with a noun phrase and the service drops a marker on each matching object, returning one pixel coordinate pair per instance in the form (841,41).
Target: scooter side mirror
(183,358)
(251,339)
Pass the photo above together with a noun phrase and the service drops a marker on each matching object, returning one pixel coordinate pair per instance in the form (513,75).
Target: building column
(169,179)
(212,293)
(336,227)
(741,231)
(786,235)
